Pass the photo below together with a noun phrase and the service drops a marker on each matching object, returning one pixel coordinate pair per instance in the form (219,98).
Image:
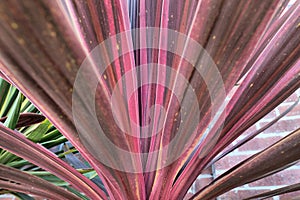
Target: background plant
(18,113)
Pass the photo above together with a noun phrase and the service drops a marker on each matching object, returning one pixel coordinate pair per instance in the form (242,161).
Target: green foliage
(43,132)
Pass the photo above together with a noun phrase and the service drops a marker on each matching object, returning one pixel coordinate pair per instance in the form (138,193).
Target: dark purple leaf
(283,190)
(27,119)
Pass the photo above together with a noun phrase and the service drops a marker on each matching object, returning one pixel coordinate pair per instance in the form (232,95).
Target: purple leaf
(27,119)
(19,145)
(282,154)
(16,180)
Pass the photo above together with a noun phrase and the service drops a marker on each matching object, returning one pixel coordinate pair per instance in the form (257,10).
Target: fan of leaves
(256,43)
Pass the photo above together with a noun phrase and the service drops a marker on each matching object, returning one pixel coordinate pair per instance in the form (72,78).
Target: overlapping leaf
(21,146)
(256,167)
(253,42)
(18,181)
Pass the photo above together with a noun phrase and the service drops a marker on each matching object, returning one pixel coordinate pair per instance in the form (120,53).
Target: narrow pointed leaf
(16,180)
(26,119)
(254,98)
(281,154)
(254,134)
(8,101)
(38,132)
(12,140)
(279,191)
(14,112)
(22,196)
(4,87)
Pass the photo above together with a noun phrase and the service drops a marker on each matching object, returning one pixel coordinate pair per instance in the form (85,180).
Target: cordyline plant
(149,93)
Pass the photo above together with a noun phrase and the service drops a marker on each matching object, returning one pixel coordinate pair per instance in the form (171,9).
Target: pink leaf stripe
(18,181)
(253,43)
(257,166)
(19,145)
